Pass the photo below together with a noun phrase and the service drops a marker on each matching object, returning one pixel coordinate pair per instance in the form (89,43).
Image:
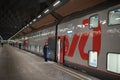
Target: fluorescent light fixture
(34,20)
(47,10)
(16,33)
(30,22)
(39,16)
(27,24)
(56,3)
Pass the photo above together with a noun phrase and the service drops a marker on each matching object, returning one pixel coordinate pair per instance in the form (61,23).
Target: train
(88,41)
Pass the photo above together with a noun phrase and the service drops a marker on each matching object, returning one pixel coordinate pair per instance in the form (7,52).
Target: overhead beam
(56,16)
(32,28)
(24,33)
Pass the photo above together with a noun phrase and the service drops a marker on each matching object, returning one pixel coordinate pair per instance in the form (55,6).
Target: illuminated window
(93,58)
(113,62)
(114,17)
(94,21)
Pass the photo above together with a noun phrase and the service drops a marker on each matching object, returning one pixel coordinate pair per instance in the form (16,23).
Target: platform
(17,64)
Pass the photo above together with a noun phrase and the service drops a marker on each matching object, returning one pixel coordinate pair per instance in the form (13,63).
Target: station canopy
(21,17)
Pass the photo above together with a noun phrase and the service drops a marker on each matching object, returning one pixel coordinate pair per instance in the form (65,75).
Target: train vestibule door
(60,49)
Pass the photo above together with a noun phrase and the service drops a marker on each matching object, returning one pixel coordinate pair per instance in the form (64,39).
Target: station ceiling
(16,14)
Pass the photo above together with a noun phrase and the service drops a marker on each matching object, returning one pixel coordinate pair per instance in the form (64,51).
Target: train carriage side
(91,43)
(37,41)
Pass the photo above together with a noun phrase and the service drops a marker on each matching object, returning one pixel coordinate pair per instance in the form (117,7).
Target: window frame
(107,61)
(90,21)
(109,19)
(89,58)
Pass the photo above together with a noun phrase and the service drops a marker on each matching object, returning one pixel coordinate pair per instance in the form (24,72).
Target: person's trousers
(46,59)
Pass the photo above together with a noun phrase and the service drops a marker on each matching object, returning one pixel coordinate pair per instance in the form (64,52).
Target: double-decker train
(88,41)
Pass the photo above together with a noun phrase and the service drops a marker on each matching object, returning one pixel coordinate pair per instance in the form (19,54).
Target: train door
(37,49)
(51,44)
(25,44)
(60,49)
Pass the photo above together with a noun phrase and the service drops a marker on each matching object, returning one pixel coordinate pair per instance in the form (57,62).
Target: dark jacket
(46,51)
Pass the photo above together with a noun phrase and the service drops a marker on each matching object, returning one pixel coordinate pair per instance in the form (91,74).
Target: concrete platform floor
(16,64)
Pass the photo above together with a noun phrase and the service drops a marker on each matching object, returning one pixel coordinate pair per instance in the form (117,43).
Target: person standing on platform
(46,51)
(20,44)
(2,44)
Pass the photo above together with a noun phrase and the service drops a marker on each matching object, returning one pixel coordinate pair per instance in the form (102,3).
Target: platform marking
(73,73)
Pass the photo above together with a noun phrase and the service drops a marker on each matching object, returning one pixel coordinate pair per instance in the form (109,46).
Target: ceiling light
(34,20)
(27,24)
(46,11)
(56,3)
(39,16)
(30,22)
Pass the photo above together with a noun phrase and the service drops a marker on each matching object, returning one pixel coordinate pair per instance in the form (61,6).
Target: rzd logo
(81,40)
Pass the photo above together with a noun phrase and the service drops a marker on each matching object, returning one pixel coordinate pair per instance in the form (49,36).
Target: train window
(94,21)
(113,62)
(114,17)
(93,58)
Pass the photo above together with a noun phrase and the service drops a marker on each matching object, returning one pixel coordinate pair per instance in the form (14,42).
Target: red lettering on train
(66,44)
(96,42)
(73,45)
(82,44)
(97,39)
